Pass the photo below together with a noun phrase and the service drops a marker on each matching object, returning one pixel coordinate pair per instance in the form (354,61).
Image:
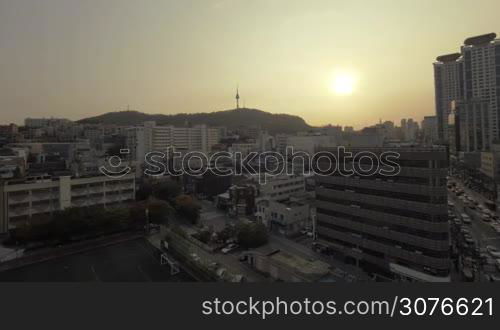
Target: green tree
(166,190)
(159,211)
(187,208)
(252,235)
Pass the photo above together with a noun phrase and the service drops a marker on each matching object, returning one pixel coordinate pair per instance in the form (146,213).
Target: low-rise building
(22,201)
(287,267)
(285,218)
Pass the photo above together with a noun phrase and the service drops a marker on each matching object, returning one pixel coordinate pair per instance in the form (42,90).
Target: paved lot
(131,261)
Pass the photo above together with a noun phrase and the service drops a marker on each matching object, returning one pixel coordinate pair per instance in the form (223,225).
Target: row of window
(387,225)
(434,271)
(391,243)
(391,194)
(404,212)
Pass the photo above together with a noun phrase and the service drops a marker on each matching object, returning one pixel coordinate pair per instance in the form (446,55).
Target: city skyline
(76,59)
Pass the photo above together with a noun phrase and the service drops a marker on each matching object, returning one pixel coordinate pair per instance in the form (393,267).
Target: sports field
(131,261)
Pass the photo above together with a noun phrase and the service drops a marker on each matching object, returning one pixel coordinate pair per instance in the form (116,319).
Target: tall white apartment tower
(448,85)
(481,57)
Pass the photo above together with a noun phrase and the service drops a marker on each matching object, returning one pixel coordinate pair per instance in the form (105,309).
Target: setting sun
(343,83)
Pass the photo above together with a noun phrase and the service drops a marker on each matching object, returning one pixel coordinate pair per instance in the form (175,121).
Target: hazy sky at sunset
(78,58)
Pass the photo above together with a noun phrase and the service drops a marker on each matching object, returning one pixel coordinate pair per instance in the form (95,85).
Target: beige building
(21,201)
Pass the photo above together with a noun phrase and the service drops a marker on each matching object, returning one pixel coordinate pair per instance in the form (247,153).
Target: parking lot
(130,261)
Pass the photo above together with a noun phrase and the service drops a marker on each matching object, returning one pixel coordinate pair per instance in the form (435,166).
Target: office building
(395,226)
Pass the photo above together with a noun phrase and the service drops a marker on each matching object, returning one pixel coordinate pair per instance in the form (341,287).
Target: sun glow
(343,83)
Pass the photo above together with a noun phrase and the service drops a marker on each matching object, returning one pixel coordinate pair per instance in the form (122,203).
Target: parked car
(493,251)
(229,248)
(466,219)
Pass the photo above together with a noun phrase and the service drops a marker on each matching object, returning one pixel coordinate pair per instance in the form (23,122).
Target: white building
(286,217)
(21,201)
(150,137)
(282,187)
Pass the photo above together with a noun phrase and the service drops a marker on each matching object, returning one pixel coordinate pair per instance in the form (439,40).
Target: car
(466,219)
(496,228)
(494,278)
(493,251)
(309,234)
(486,218)
(229,248)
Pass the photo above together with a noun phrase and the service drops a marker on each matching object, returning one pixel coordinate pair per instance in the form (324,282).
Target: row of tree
(169,191)
(248,235)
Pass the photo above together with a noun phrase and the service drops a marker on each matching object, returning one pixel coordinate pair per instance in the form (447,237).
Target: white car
(493,251)
(465,218)
(229,248)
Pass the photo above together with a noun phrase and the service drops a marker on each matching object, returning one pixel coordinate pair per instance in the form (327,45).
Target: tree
(166,190)
(227,233)
(252,235)
(144,191)
(187,208)
(159,211)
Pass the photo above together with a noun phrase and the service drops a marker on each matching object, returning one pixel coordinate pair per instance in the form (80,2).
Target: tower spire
(237,98)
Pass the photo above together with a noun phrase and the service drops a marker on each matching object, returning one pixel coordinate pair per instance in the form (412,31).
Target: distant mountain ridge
(273,123)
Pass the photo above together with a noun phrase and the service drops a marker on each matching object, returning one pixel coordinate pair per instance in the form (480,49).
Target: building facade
(22,201)
(396,225)
(448,86)
(474,124)
(151,137)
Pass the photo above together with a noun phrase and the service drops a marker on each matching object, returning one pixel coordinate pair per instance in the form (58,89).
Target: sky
(80,58)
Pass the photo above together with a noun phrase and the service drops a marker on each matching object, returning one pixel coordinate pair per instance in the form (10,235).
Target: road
(482,232)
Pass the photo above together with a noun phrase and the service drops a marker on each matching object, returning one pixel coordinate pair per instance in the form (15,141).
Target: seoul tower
(237,98)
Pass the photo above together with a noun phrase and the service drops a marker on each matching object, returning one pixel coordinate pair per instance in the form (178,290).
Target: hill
(274,123)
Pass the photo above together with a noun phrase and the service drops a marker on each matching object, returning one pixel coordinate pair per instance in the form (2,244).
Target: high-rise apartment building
(429,130)
(473,125)
(448,85)
(395,225)
(472,75)
(481,57)
(150,137)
